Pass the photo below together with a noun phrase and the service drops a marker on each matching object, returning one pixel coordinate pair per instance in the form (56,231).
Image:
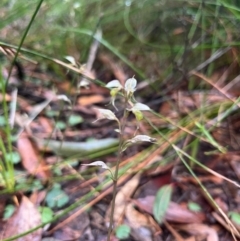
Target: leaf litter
(25,218)
(134,208)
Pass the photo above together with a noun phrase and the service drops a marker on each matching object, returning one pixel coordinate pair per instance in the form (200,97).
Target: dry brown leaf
(142,224)
(25,218)
(30,159)
(89,100)
(123,196)
(136,219)
(45,124)
(174,232)
(200,229)
(175,212)
(37,197)
(67,233)
(210,178)
(192,238)
(178,31)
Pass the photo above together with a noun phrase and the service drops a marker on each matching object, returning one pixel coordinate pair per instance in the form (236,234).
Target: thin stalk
(10,181)
(9,169)
(115,179)
(22,40)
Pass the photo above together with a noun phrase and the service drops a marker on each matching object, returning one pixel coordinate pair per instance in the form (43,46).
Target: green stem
(10,182)
(22,40)
(115,179)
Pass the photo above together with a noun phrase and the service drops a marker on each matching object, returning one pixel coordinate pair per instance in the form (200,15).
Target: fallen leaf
(178,31)
(175,212)
(137,219)
(67,233)
(67,148)
(31,161)
(45,124)
(25,218)
(37,197)
(200,229)
(161,202)
(174,232)
(90,100)
(122,198)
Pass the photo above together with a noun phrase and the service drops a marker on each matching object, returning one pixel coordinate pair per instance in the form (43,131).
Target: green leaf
(2,121)
(8,211)
(61,125)
(74,120)
(235,217)
(46,214)
(56,197)
(161,202)
(52,113)
(192,206)
(123,231)
(14,157)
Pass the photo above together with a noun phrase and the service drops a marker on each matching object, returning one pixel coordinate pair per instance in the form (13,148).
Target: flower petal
(140,106)
(141,138)
(114,84)
(106,114)
(130,85)
(97,163)
(64,98)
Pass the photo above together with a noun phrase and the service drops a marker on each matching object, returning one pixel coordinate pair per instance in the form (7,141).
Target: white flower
(137,110)
(130,86)
(71,60)
(100,164)
(139,106)
(105,114)
(137,139)
(64,98)
(114,84)
(97,163)
(142,138)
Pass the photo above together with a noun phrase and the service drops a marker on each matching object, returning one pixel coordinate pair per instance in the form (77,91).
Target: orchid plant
(130,105)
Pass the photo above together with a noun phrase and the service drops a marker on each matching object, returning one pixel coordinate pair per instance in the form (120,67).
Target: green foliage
(8,211)
(123,231)
(61,125)
(130,31)
(25,184)
(56,197)
(2,121)
(46,214)
(235,217)
(14,157)
(161,202)
(6,165)
(192,206)
(52,113)
(74,120)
